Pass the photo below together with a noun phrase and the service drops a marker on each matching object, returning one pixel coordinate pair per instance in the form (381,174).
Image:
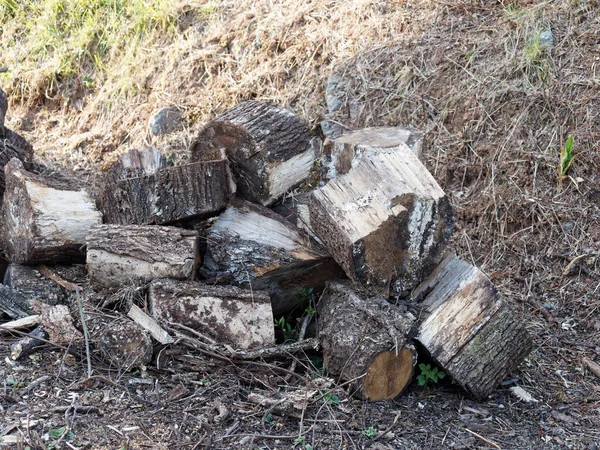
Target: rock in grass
(165,121)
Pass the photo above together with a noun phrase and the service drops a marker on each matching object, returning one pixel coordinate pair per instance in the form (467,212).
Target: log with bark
(229,315)
(385,221)
(251,246)
(45,220)
(270,149)
(31,282)
(14,304)
(129,254)
(12,144)
(140,189)
(366,342)
(340,153)
(467,328)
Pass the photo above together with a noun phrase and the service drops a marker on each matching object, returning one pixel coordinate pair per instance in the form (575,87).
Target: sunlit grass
(72,43)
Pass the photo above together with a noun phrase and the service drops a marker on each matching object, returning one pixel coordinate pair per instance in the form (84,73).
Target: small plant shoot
(429,374)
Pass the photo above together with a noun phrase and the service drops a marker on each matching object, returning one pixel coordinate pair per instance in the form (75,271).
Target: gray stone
(165,121)
(547,38)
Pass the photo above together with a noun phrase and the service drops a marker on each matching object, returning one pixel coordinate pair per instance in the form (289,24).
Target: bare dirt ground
(497,100)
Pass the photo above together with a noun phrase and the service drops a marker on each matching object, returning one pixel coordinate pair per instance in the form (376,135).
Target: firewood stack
(212,246)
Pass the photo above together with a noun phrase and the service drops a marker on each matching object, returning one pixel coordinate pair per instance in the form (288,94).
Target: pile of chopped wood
(210,252)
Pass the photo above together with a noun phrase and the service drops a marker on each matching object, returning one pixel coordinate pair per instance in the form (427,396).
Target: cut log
(251,246)
(45,222)
(365,342)
(12,144)
(30,282)
(340,155)
(14,304)
(233,316)
(467,328)
(270,149)
(385,221)
(128,254)
(121,342)
(139,189)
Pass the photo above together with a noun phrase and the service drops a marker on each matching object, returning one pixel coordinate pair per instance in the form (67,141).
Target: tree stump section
(270,149)
(385,220)
(340,154)
(251,246)
(467,329)
(45,221)
(240,318)
(140,189)
(365,342)
(122,254)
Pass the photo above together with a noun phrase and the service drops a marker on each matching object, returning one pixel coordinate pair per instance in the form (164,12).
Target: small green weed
(57,433)
(289,333)
(301,440)
(329,398)
(429,374)
(370,432)
(566,159)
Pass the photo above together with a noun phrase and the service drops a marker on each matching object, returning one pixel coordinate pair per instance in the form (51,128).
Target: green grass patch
(78,43)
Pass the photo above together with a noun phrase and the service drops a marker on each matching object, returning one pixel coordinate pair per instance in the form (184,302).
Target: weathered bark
(122,254)
(467,328)
(270,149)
(340,155)
(121,342)
(251,246)
(58,323)
(365,342)
(12,144)
(385,221)
(229,315)
(14,304)
(29,281)
(45,222)
(139,189)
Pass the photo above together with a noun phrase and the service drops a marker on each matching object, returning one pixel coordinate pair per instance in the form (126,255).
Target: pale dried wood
(270,149)
(251,246)
(365,342)
(340,154)
(149,324)
(386,221)
(121,254)
(233,316)
(44,221)
(467,328)
(23,322)
(29,344)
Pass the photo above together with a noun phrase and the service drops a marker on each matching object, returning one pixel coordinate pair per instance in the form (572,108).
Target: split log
(229,315)
(270,149)
(139,189)
(340,155)
(385,221)
(295,209)
(251,246)
(467,328)
(121,254)
(365,342)
(45,221)
(121,342)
